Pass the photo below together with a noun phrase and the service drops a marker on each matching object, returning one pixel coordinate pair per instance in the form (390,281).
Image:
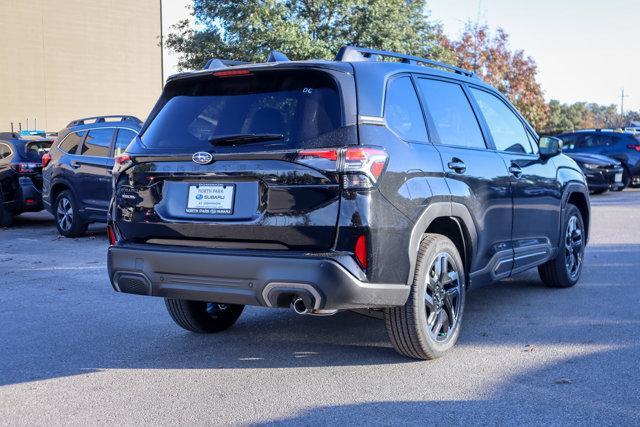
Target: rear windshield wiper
(244,138)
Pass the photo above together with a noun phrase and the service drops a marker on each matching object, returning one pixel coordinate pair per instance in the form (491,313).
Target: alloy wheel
(64,214)
(443,297)
(574,247)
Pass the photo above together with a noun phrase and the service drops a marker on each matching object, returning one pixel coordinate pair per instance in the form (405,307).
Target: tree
(303,29)
(512,73)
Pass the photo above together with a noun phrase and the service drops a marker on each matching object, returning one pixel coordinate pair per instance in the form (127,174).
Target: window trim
(388,83)
(431,123)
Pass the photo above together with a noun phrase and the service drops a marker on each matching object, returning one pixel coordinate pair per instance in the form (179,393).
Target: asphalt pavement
(72,351)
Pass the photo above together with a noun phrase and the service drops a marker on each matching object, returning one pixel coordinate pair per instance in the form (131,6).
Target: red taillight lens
(111,234)
(46,159)
(634,147)
(122,159)
(230,73)
(361,251)
(361,166)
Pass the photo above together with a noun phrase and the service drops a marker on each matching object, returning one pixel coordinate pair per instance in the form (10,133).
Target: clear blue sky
(586,50)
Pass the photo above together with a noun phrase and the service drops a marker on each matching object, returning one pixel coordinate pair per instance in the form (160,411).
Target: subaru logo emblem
(202,158)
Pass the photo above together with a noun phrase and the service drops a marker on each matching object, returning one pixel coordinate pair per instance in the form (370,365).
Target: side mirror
(550,146)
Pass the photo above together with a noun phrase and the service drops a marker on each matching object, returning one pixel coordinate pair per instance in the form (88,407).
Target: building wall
(66,59)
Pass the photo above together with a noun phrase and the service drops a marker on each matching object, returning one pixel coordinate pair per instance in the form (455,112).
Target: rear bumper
(243,278)
(29,197)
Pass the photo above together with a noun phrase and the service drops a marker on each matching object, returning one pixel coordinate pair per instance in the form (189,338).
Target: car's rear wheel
(203,317)
(428,325)
(6,216)
(68,221)
(564,270)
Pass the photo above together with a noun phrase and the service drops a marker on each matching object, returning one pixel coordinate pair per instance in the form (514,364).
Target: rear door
(93,172)
(196,181)
(476,175)
(535,188)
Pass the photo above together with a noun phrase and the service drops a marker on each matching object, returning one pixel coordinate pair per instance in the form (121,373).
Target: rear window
(303,106)
(36,149)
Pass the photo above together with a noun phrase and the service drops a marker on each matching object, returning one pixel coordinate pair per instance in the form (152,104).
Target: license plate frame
(210,206)
(618,177)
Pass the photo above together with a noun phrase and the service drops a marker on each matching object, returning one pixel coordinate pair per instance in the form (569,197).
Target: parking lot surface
(72,351)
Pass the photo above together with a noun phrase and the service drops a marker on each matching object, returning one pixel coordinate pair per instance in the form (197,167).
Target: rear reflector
(111,234)
(230,73)
(361,251)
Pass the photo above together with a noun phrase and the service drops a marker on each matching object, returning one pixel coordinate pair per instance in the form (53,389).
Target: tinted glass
(5,151)
(568,141)
(36,149)
(402,111)
(98,143)
(303,106)
(122,141)
(71,142)
(507,130)
(451,112)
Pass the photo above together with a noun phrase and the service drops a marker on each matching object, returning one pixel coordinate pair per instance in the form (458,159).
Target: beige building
(65,59)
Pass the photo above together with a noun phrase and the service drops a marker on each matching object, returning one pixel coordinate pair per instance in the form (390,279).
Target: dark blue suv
(77,172)
(622,146)
(335,185)
(20,175)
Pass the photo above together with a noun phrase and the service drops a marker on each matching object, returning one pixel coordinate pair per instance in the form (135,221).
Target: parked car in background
(20,175)
(333,185)
(603,173)
(622,146)
(77,171)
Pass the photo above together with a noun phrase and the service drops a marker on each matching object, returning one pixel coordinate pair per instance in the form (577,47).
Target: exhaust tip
(299,306)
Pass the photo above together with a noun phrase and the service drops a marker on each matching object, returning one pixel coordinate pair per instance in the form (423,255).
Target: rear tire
(67,216)
(203,317)
(565,269)
(428,325)
(6,216)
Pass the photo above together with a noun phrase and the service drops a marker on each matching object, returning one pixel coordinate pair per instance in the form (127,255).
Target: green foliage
(582,115)
(303,29)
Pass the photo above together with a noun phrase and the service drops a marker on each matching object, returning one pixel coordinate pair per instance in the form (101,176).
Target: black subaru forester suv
(334,185)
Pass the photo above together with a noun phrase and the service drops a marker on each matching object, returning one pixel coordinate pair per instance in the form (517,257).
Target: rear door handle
(457,165)
(75,164)
(516,171)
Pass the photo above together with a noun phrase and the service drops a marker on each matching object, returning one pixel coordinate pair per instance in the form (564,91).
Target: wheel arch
(581,201)
(452,220)
(58,187)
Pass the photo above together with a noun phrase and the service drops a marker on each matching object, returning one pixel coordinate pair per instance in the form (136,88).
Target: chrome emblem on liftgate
(202,158)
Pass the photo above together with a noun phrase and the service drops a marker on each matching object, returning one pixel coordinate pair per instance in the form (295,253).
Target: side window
(71,142)
(122,141)
(568,141)
(452,114)
(507,130)
(5,151)
(402,111)
(98,143)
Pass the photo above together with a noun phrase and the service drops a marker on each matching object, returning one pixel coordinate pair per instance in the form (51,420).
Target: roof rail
(215,63)
(356,53)
(102,119)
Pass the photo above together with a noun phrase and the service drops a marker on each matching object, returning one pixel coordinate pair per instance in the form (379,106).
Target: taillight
(230,73)
(634,147)
(122,159)
(361,166)
(361,251)
(46,159)
(112,235)
(25,168)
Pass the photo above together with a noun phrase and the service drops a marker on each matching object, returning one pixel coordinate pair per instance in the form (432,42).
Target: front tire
(203,317)
(565,269)
(67,214)
(428,325)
